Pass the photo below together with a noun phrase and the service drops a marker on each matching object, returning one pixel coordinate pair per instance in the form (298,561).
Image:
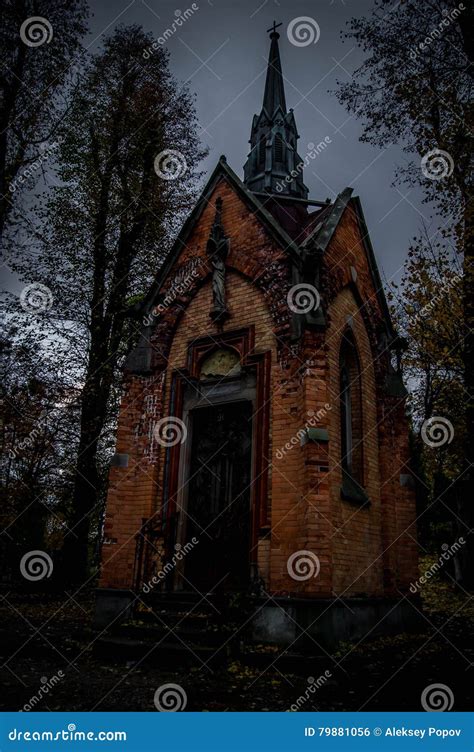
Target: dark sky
(222,50)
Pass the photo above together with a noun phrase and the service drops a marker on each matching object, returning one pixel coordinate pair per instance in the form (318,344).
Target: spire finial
(273,29)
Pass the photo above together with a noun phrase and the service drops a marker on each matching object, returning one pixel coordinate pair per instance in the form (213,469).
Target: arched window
(278,148)
(351,417)
(261,150)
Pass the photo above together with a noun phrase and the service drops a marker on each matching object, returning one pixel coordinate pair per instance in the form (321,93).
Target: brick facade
(363,549)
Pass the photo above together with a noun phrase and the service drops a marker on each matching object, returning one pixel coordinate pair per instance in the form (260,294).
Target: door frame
(255,369)
(242,392)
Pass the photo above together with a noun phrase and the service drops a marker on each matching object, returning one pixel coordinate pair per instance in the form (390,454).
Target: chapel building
(262,443)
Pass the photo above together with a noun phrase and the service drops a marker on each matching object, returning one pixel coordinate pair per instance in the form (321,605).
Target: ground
(44,634)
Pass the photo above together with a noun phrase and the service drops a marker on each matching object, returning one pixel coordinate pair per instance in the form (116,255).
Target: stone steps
(161,653)
(185,630)
(180,632)
(169,629)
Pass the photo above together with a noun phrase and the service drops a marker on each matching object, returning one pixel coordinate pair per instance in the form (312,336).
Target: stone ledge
(351,491)
(316,435)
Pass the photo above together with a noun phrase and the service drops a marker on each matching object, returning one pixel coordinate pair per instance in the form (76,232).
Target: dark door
(218,509)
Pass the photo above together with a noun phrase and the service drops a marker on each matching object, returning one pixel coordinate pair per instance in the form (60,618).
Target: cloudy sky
(221,50)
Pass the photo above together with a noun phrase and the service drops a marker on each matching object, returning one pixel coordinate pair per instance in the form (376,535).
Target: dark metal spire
(274,95)
(274,164)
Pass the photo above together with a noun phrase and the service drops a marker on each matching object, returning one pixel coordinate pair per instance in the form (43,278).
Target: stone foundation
(307,622)
(112,606)
(328,622)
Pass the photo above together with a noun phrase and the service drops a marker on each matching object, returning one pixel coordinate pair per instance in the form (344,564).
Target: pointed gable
(249,201)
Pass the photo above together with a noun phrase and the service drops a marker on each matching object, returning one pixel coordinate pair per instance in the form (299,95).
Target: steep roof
(323,231)
(222,170)
(296,230)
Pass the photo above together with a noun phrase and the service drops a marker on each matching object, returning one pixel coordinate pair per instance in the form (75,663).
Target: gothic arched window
(351,414)
(278,148)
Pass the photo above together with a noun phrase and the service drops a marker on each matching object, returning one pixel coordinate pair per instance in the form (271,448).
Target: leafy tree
(427,309)
(37,443)
(40,41)
(127,172)
(415,88)
(428,313)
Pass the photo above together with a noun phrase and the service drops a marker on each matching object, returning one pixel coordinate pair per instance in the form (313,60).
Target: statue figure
(217,249)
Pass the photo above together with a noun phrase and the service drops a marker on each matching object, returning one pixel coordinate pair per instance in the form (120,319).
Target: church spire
(274,95)
(273,164)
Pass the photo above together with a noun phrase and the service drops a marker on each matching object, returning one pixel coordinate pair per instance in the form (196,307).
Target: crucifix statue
(217,250)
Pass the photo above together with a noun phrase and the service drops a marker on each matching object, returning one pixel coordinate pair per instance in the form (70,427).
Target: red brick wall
(357,533)
(360,550)
(131,489)
(255,262)
(375,549)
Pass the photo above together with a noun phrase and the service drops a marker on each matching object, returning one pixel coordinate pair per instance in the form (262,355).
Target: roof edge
(373,266)
(221,169)
(324,235)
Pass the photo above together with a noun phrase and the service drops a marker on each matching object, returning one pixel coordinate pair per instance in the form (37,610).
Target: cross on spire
(273,29)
